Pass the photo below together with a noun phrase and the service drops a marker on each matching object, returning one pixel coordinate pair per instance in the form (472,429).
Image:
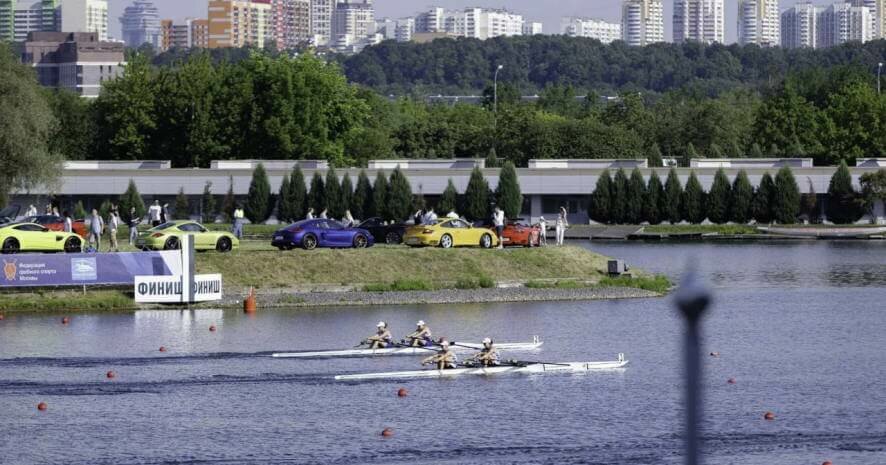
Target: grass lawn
(730,229)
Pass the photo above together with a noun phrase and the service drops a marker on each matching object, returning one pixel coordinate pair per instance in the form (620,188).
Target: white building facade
(841,22)
(599,29)
(353,24)
(799,26)
(321,20)
(85,16)
(478,23)
(699,21)
(642,22)
(141,24)
(759,23)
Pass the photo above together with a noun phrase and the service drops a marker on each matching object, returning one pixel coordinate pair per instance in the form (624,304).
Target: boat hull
(461,346)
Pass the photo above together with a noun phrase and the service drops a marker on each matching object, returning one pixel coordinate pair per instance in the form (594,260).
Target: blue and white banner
(34,270)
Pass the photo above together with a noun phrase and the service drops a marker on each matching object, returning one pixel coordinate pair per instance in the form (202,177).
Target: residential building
(875,7)
(292,23)
(799,26)
(531,28)
(699,21)
(199,33)
(141,24)
(321,21)
(77,61)
(758,22)
(176,35)
(841,22)
(7,20)
(401,29)
(642,22)
(240,23)
(353,25)
(85,16)
(31,16)
(166,31)
(479,23)
(599,29)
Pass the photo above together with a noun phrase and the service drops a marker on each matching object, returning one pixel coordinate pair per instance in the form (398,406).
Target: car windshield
(300,224)
(30,227)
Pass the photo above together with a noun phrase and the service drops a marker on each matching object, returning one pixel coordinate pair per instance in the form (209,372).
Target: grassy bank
(725,229)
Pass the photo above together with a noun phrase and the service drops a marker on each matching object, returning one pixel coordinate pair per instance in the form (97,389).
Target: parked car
(57,223)
(9,214)
(167,236)
(520,234)
(310,234)
(384,233)
(32,237)
(448,233)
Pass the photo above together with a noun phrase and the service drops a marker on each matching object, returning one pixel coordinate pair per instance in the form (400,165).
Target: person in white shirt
(452,215)
(323,214)
(310,215)
(430,217)
(238,222)
(561,226)
(498,220)
(154,213)
(543,232)
(69,224)
(32,211)
(348,219)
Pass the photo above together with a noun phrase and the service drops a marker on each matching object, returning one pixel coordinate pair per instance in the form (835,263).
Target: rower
(421,337)
(382,337)
(444,359)
(488,355)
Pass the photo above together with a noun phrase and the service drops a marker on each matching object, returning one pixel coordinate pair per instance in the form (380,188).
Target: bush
(635,195)
(347,195)
(658,283)
(379,195)
(786,201)
(207,204)
(283,210)
(317,195)
(486,282)
(259,203)
(182,208)
(79,211)
(333,195)
(230,202)
(297,198)
(361,203)
(399,198)
(601,199)
(693,200)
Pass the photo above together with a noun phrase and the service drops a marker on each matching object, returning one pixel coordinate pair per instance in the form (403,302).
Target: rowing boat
(572,367)
(456,346)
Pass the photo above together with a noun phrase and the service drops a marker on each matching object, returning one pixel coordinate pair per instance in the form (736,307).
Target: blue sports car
(310,234)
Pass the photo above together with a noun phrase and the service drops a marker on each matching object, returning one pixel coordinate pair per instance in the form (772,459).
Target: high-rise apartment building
(353,24)
(321,20)
(531,28)
(480,23)
(292,22)
(841,22)
(699,21)
(238,23)
(18,18)
(141,24)
(759,22)
(799,26)
(599,29)
(7,20)
(875,8)
(78,61)
(85,16)
(199,32)
(642,22)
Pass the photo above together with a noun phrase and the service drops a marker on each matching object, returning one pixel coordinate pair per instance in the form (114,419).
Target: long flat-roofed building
(593,28)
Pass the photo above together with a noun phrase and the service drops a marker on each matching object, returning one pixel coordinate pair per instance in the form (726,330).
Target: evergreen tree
(843,206)
(507,193)
(601,199)
(718,198)
(333,195)
(284,213)
(229,204)
(715,151)
(653,200)
(317,195)
(361,203)
(259,203)
(763,198)
(636,193)
(693,200)
(103,210)
(618,209)
(735,151)
(399,198)
(182,209)
(207,204)
(809,204)
(742,200)
(476,196)
(347,194)
(449,200)
(786,201)
(774,152)
(492,159)
(673,198)
(297,201)
(653,156)
(80,211)
(379,195)
(690,154)
(131,198)
(756,151)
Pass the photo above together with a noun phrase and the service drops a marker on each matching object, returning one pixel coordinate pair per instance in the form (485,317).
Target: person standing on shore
(96,228)
(543,232)
(113,225)
(310,215)
(69,223)
(154,213)
(561,226)
(32,211)
(348,219)
(498,219)
(133,226)
(238,222)
(323,214)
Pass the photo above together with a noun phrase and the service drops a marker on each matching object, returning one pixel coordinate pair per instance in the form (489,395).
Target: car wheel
(486,241)
(392,238)
(360,241)
(446,241)
(172,244)
(10,246)
(73,245)
(309,242)
(223,245)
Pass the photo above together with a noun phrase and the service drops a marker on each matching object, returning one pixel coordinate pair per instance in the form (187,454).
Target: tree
(317,194)
(507,193)
(809,204)
(79,211)
(182,208)
(718,198)
(379,195)
(476,196)
(259,202)
(449,200)
(361,203)
(284,213)
(653,156)
(873,189)
(207,204)
(635,195)
(693,200)
(126,112)
(229,204)
(399,198)
(297,201)
(741,202)
(786,200)
(690,154)
(347,194)
(492,159)
(619,206)
(601,199)
(843,206)
(673,198)
(763,198)
(129,200)
(653,200)
(756,151)
(333,195)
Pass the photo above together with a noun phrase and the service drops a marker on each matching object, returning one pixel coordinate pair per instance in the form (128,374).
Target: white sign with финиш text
(168,289)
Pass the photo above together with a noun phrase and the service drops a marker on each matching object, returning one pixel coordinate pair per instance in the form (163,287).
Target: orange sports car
(520,234)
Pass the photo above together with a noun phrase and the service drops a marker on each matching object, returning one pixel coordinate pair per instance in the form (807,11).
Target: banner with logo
(168,289)
(33,270)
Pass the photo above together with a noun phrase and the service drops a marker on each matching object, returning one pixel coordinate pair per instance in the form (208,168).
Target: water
(800,327)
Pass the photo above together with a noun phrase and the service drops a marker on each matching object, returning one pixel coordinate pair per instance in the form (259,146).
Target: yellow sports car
(31,237)
(167,236)
(450,233)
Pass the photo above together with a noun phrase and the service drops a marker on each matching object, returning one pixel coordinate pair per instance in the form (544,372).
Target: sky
(547,11)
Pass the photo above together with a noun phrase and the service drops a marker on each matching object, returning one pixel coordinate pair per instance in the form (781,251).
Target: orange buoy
(387,432)
(2,317)
(162,348)
(111,375)
(212,328)
(769,416)
(65,320)
(826,462)
(731,381)
(42,406)
(249,302)
(715,354)
(402,392)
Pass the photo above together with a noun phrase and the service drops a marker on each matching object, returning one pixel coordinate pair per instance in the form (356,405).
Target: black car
(9,214)
(384,233)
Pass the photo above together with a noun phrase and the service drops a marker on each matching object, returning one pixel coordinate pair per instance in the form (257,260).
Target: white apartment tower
(141,24)
(841,22)
(758,22)
(85,16)
(799,26)
(321,20)
(875,8)
(699,20)
(353,21)
(642,22)
(603,31)
(479,23)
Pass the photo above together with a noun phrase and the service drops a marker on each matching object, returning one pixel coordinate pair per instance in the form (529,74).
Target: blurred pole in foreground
(692,299)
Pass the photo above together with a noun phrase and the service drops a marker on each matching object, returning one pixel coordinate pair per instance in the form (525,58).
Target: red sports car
(519,234)
(57,223)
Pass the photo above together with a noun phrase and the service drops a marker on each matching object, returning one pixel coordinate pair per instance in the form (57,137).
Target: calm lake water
(800,326)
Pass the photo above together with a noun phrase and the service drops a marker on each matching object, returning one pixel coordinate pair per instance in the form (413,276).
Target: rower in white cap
(444,359)
(488,355)
(421,337)
(382,337)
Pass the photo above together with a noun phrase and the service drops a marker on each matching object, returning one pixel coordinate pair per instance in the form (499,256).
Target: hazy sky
(547,11)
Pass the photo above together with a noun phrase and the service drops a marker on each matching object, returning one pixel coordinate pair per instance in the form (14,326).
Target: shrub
(317,195)
(131,198)
(449,200)
(477,196)
(297,199)
(207,204)
(618,206)
(182,208)
(361,203)
(379,195)
(333,195)
(634,201)
(399,198)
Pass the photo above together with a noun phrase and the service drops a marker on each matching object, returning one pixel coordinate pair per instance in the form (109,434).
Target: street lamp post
(495,94)
(879,70)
